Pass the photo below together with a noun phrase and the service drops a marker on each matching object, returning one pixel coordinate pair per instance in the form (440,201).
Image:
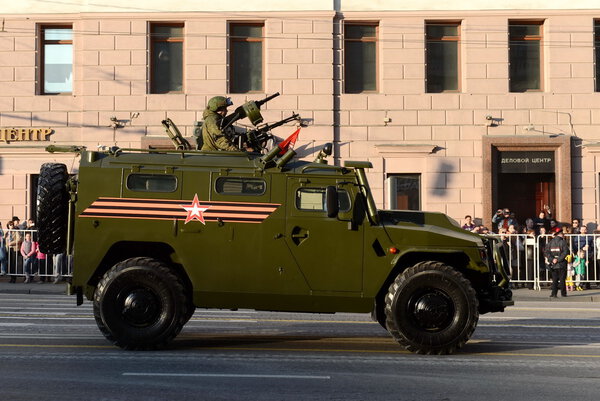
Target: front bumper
(498,296)
(495,300)
(497,261)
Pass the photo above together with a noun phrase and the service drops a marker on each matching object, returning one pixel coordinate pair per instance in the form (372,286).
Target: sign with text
(527,162)
(24,134)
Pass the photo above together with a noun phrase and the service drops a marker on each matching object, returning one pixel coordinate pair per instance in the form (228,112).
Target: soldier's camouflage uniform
(213,137)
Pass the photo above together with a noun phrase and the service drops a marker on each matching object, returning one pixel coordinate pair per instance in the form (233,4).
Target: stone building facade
(440,112)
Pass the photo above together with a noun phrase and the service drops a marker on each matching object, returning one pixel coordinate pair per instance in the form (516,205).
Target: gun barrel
(265,100)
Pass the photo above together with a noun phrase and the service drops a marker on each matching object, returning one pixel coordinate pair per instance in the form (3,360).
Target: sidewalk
(31,288)
(526,295)
(519,295)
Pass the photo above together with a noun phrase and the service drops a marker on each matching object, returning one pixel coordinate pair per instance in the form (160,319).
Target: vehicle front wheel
(431,309)
(140,304)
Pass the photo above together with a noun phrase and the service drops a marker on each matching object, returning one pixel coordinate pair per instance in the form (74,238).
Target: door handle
(303,235)
(298,235)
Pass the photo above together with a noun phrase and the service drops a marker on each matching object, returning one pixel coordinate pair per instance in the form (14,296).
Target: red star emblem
(195,211)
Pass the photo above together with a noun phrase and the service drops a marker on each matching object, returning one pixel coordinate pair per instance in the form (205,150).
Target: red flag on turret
(289,141)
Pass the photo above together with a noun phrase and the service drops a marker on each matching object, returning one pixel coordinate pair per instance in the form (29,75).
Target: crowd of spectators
(20,254)
(520,241)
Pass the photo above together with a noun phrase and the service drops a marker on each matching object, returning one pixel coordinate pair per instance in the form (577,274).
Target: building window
(597,53)
(246,58)
(442,51)
(360,57)
(166,58)
(405,191)
(525,55)
(56,59)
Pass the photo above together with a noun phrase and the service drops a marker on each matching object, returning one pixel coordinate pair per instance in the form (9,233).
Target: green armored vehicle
(155,234)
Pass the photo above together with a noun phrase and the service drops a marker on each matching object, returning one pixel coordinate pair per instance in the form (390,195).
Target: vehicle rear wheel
(140,304)
(52,208)
(431,309)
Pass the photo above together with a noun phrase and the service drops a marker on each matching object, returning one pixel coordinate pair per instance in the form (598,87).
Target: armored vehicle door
(237,247)
(329,251)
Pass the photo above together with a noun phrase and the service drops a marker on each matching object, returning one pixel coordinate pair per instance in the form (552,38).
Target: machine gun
(259,137)
(250,109)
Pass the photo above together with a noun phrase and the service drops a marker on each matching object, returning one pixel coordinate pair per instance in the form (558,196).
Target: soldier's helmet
(217,102)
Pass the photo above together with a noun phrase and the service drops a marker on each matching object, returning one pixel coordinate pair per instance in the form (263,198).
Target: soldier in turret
(212,135)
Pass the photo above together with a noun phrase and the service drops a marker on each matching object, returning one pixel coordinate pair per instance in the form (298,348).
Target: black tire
(140,304)
(431,309)
(52,208)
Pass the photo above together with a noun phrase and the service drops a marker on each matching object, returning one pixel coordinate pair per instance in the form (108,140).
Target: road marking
(45,317)
(53,337)
(532,354)
(35,312)
(56,346)
(227,375)
(553,309)
(538,326)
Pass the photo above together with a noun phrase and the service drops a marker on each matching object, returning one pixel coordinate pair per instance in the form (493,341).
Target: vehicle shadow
(250,342)
(518,336)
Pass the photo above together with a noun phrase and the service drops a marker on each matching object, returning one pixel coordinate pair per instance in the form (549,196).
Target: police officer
(556,252)
(212,135)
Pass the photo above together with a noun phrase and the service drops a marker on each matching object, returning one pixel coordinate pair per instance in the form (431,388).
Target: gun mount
(178,140)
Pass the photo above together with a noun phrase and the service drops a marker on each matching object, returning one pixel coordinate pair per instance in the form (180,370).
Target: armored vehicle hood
(447,229)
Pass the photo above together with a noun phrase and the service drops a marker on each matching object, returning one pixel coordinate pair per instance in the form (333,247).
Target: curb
(31,288)
(525,295)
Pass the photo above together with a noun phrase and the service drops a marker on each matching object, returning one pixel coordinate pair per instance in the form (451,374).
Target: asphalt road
(52,350)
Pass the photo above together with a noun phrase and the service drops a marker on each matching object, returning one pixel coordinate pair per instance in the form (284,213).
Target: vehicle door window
(313,199)
(151,183)
(240,186)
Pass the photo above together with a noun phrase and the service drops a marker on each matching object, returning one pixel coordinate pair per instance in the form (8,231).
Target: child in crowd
(579,267)
(41,262)
(570,272)
(28,252)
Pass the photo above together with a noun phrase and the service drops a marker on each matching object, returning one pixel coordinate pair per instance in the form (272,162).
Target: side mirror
(332,201)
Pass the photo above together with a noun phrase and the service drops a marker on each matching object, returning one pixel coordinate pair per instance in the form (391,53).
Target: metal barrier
(528,266)
(44,267)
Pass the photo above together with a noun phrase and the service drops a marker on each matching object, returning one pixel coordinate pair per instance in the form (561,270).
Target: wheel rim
(140,307)
(431,310)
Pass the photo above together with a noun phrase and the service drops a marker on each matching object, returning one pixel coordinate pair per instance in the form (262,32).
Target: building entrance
(526,193)
(525,173)
(526,182)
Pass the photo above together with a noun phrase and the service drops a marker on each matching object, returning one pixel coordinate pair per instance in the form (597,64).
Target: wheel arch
(123,250)
(457,260)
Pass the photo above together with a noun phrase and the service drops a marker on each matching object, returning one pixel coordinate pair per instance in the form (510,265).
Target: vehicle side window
(240,186)
(151,183)
(314,199)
